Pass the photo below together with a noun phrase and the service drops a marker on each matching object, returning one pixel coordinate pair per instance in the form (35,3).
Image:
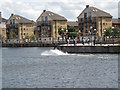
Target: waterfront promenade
(80,44)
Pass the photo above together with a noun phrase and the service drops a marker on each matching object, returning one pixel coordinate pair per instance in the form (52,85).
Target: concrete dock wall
(90,49)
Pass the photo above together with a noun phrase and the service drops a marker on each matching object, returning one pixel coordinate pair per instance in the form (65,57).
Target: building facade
(116,23)
(48,24)
(93,21)
(3,28)
(18,28)
(72,23)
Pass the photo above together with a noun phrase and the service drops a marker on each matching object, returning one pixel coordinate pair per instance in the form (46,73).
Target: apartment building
(48,24)
(73,24)
(116,23)
(2,28)
(93,21)
(18,27)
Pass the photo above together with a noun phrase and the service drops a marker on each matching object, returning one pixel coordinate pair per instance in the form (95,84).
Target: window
(24,33)
(24,28)
(46,18)
(13,21)
(42,18)
(89,14)
(48,28)
(86,31)
(81,19)
(10,21)
(85,15)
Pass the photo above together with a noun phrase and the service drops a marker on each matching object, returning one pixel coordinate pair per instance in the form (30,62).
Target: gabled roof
(97,12)
(21,19)
(53,16)
(72,23)
(100,13)
(4,20)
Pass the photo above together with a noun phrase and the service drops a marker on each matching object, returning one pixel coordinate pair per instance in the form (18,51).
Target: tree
(72,32)
(27,37)
(112,32)
(108,32)
(32,37)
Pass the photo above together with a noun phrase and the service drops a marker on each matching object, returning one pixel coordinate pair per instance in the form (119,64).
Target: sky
(70,9)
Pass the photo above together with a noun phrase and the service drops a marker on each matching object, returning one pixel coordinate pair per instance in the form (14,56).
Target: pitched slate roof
(53,16)
(21,19)
(100,13)
(97,12)
(4,20)
(72,23)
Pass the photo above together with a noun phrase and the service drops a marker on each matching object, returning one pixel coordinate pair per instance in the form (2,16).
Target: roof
(21,19)
(97,12)
(54,16)
(115,20)
(100,13)
(4,20)
(72,23)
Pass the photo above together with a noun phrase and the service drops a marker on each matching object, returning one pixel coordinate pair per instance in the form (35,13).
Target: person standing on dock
(94,41)
(74,42)
(88,41)
(67,41)
(100,41)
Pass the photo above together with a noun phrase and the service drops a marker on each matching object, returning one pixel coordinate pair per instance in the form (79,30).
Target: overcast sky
(32,9)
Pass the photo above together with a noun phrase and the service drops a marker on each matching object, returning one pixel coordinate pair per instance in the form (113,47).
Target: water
(48,68)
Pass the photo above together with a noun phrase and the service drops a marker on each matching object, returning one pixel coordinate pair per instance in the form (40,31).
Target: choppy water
(48,68)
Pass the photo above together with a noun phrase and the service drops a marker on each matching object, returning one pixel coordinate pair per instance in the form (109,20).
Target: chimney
(119,10)
(12,14)
(44,10)
(87,6)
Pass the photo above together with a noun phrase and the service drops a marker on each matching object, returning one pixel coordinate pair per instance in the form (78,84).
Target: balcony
(44,23)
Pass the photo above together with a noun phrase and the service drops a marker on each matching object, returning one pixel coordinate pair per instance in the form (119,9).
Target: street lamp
(62,34)
(94,33)
(90,32)
(79,34)
(113,34)
(66,34)
(91,35)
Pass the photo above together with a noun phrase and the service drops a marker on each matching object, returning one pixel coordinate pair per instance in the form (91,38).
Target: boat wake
(57,52)
(53,53)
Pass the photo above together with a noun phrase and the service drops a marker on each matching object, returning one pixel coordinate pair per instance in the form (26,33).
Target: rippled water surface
(48,68)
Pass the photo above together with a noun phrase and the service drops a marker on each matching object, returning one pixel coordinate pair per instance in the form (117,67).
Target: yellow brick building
(3,29)
(18,28)
(48,24)
(93,21)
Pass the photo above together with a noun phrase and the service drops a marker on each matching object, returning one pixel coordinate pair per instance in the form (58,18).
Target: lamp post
(62,34)
(66,35)
(113,34)
(79,34)
(90,38)
(94,33)
(104,34)
(91,34)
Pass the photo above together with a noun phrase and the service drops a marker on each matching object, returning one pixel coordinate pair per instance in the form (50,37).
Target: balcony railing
(44,23)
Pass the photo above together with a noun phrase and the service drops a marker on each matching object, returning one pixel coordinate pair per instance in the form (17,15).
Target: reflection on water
(48,68)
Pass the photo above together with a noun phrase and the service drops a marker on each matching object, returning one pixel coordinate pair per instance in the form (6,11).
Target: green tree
(108,32)
(27,37)
(32,37)
(112,32)
(72,32)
